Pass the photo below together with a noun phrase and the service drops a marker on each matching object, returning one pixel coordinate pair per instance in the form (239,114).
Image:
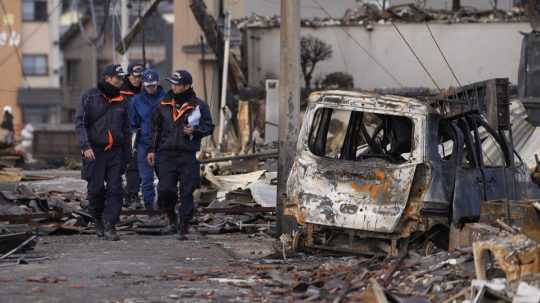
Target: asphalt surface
(135,269)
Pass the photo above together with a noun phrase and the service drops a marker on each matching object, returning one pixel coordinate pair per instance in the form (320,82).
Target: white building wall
(475,51)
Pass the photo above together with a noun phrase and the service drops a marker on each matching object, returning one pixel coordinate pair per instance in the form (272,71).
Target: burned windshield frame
(353,135)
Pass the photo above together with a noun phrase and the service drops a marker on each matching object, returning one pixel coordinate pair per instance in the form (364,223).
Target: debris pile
(237,195)
(425,274)
(367,14)
(243,201)
(52,211)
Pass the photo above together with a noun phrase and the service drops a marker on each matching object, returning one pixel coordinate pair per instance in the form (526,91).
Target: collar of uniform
(128,87)
(109,91)
(115,99)
(127,93)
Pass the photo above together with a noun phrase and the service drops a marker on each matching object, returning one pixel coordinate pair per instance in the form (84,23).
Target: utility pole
(142,35)
(124,30)
(203,64)
(55,55)
(223,103)
(289,100)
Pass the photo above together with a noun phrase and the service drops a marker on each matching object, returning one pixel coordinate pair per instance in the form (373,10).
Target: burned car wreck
(371,171)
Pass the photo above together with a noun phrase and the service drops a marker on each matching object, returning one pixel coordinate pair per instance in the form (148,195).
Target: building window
(34,10)
(35,65)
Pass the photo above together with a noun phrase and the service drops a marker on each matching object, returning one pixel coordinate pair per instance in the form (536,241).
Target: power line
(386,71)
(442,54)
(411,49)
(416,56)
(23,42)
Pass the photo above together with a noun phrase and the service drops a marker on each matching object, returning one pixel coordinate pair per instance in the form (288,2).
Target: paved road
(136,269)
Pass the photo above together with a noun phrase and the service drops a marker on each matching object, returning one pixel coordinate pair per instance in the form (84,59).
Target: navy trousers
(133,179)
(178,168)
(104,177)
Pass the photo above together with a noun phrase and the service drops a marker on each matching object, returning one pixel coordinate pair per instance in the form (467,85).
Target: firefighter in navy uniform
(102,128)
(179,123)
(132,86)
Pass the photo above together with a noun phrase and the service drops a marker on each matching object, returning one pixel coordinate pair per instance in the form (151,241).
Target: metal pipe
(266,155)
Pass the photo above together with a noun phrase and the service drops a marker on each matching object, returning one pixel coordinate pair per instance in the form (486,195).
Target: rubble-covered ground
(231,254)
(224,268)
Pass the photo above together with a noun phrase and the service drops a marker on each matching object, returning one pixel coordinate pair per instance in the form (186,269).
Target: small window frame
(33,70)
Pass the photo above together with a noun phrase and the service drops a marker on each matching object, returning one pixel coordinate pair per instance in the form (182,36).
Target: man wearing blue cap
(140,116)
(178,124)
(102,127)
(132,86)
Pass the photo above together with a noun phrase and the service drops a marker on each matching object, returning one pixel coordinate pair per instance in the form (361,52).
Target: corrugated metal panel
(526,137)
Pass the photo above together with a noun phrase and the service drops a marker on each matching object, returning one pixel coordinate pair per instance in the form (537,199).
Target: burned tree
(339,80)
(312,51)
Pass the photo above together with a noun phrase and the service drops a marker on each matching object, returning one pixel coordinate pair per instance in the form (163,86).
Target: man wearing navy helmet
(178,124)
(140,115)
(132,86)
(102,127)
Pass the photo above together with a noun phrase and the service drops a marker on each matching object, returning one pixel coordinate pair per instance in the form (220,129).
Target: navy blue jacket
(168,123)
(140,114)
(102,123)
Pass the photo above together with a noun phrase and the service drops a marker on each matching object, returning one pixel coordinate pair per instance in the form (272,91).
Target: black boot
(110,232)
(182,229)
(171,226)
(100,229)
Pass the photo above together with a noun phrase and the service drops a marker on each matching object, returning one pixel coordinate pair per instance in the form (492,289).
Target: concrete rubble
(368,14)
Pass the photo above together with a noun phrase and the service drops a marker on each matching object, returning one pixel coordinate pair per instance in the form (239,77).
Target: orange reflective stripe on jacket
(115,99)
(110,140)
(177,113)
(127,93)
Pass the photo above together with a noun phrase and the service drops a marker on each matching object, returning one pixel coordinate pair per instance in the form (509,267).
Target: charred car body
(371,170)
